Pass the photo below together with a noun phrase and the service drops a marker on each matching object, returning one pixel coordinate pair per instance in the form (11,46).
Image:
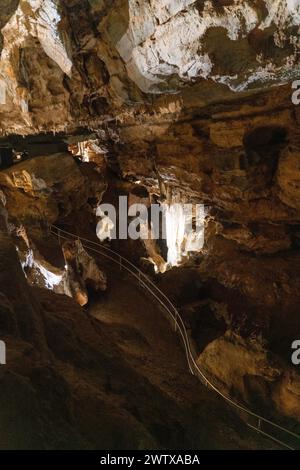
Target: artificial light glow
(181,238)
(50,279)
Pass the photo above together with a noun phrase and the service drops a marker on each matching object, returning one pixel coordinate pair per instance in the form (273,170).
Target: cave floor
(140,330)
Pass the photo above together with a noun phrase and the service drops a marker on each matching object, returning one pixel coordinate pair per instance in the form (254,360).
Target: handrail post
(175,321)
(259,423)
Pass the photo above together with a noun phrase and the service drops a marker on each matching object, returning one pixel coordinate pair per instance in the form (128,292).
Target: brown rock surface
(72,381)
(44,188)
(192,101)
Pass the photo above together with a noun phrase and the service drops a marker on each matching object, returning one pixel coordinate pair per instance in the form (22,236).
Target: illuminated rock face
(182,238)
(185,97)
(45,186)
(32,40)
(36,19)
(53,57)
(187,40)
(82,272)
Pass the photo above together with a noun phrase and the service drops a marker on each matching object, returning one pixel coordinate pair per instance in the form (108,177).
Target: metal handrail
(166,303)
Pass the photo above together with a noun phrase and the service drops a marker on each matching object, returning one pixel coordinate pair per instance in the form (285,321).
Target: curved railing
(259,423)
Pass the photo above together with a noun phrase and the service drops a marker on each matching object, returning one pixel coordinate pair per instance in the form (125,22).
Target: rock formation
(164,101)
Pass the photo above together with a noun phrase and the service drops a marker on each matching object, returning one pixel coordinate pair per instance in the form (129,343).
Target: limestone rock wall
(190,98)
(65,63)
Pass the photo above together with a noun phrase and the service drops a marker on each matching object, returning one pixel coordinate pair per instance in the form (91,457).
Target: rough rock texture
(91,60)
(83,272)
(75,382)
(41,191)
(238,43)
(192,101)
(44,187)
